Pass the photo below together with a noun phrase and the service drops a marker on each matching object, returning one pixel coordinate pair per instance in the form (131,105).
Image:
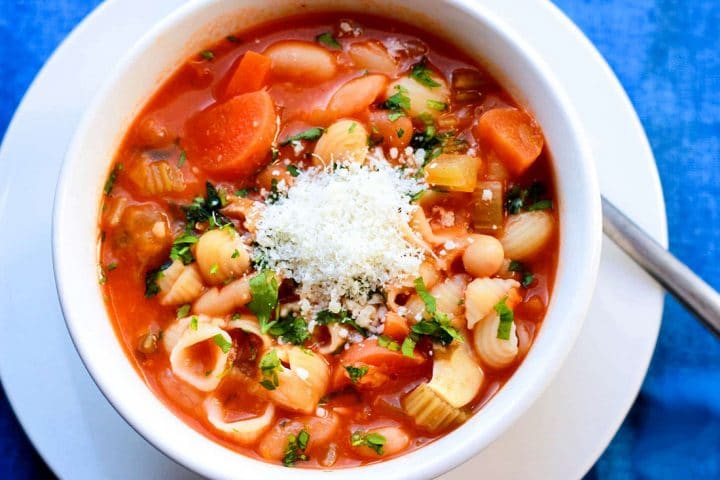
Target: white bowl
(75,232)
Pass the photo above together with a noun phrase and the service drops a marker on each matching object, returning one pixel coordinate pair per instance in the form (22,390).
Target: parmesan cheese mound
(338,234)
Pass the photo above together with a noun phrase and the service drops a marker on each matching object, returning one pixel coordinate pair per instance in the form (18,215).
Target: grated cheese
(339,235)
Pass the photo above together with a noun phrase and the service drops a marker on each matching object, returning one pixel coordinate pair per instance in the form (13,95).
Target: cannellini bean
(372,55)
(356,95)
(302,61)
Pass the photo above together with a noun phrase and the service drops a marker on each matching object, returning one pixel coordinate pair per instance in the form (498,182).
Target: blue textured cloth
(667,55)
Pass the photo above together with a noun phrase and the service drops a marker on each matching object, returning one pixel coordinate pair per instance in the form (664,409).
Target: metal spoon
(699,297)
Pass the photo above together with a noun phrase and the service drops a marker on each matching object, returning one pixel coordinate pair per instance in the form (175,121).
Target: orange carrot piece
(396,326)
(513,135)
(250,74)
(233,137)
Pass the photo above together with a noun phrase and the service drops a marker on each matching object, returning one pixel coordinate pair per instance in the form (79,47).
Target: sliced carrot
(250,74)
(233,137)
(513,135)
(396,326)
(395,133)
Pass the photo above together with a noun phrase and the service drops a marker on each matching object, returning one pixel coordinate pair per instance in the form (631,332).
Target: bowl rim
(452,457)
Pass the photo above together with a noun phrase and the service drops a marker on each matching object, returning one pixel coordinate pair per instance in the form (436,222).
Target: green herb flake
(356,373)
(422,74)
(112,178)
(435,105)
(183,157)
(183,311)
(269,367)
(214,269)
(540,205)
(206,209)
(328,40)
(295,449)
(428,300)
(111,266)
(437,326)
(408,347)
(400,132)
(290,329)
(311,134)
(416,196)
(151,278)
(274,153)
(293,170)
(326,317)
(242,192)
(207,55)
(181,248)
(387,342)
(235,254)
(232,39)
(393,116)
(264,291)
(221,342)
(374,441)
(352,127)
(398,102)
(506,319)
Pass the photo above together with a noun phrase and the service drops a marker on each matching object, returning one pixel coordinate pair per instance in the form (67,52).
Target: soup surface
(328,241)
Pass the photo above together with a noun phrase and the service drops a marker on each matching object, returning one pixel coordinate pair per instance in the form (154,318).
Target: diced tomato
(250,74)
(233,137)
(513,135)
(396,326)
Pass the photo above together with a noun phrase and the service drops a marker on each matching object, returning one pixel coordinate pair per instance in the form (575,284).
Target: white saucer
(81,437)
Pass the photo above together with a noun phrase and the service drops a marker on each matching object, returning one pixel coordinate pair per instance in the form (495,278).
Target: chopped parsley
(214,269)
(352,127)
(290,329)
(151,278)
(435,105)
(269,367)
(398,103)
(275,194)
(111,266)
(183,157)
(194,323)
(295,450)
(293,170)
(436,326)
(387,342)
(181,248)
(221,342)
(422,74)
(110,182)
(242,192)
(408,347)
(506,319)
(328,40)
(235,254)
(311,134)
(326,317)
(356,373)
(416,196)
(527,276)
(400,132)
(264,291)
(375,441)
(274,153)
(530,198)
(392,116)
(183,311)
(232,39)
(206,209)
(207,55)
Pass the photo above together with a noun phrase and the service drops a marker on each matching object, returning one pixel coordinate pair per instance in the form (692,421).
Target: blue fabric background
(667,55)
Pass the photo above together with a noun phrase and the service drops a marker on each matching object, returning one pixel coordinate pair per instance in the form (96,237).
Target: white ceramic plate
(80,436)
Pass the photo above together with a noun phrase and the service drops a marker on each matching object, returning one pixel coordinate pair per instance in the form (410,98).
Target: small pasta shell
(300,386)
(300,60)
(245,209)
(356,95)
(157,177)
(372,56)
(180,285)
(481,296)
(249,324)
(429,274)
(430,411)
(449,294)
(221,256)
(338,337)
(243,431)
(457,377)
(526,234)
(225,300)
(115,209)
(344,140)
(494,352)
(423,100)
(171,335)
(196,375)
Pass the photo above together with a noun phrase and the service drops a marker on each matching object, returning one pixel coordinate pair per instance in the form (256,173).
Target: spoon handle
(699,297)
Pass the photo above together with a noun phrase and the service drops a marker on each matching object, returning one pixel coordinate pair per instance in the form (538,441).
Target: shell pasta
(327,241)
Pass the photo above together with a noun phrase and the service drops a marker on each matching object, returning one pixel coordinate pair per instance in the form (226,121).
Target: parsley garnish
(325,317)
(398,102)
(392,116)
(437,327)
(290,329)
(242,192)
(194,323)
(310,134)
(421,74)
(295,450)
(356,373)
(529,198)
(264,290)
(181,248)
(232,38)
(527,276)
(151,278)
(408,347)
(110,182)
(207,55)
(183,311)
(206,209)
(435,105)
(111,266)
(374,441)
(293,170)
(183,157)
(328,40)
(541,205)
(269,367)
(387,342)
(400,132)
(352,127)
(222,342)
(506,319)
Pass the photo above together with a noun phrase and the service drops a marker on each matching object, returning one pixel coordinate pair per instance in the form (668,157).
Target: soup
(329,240)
